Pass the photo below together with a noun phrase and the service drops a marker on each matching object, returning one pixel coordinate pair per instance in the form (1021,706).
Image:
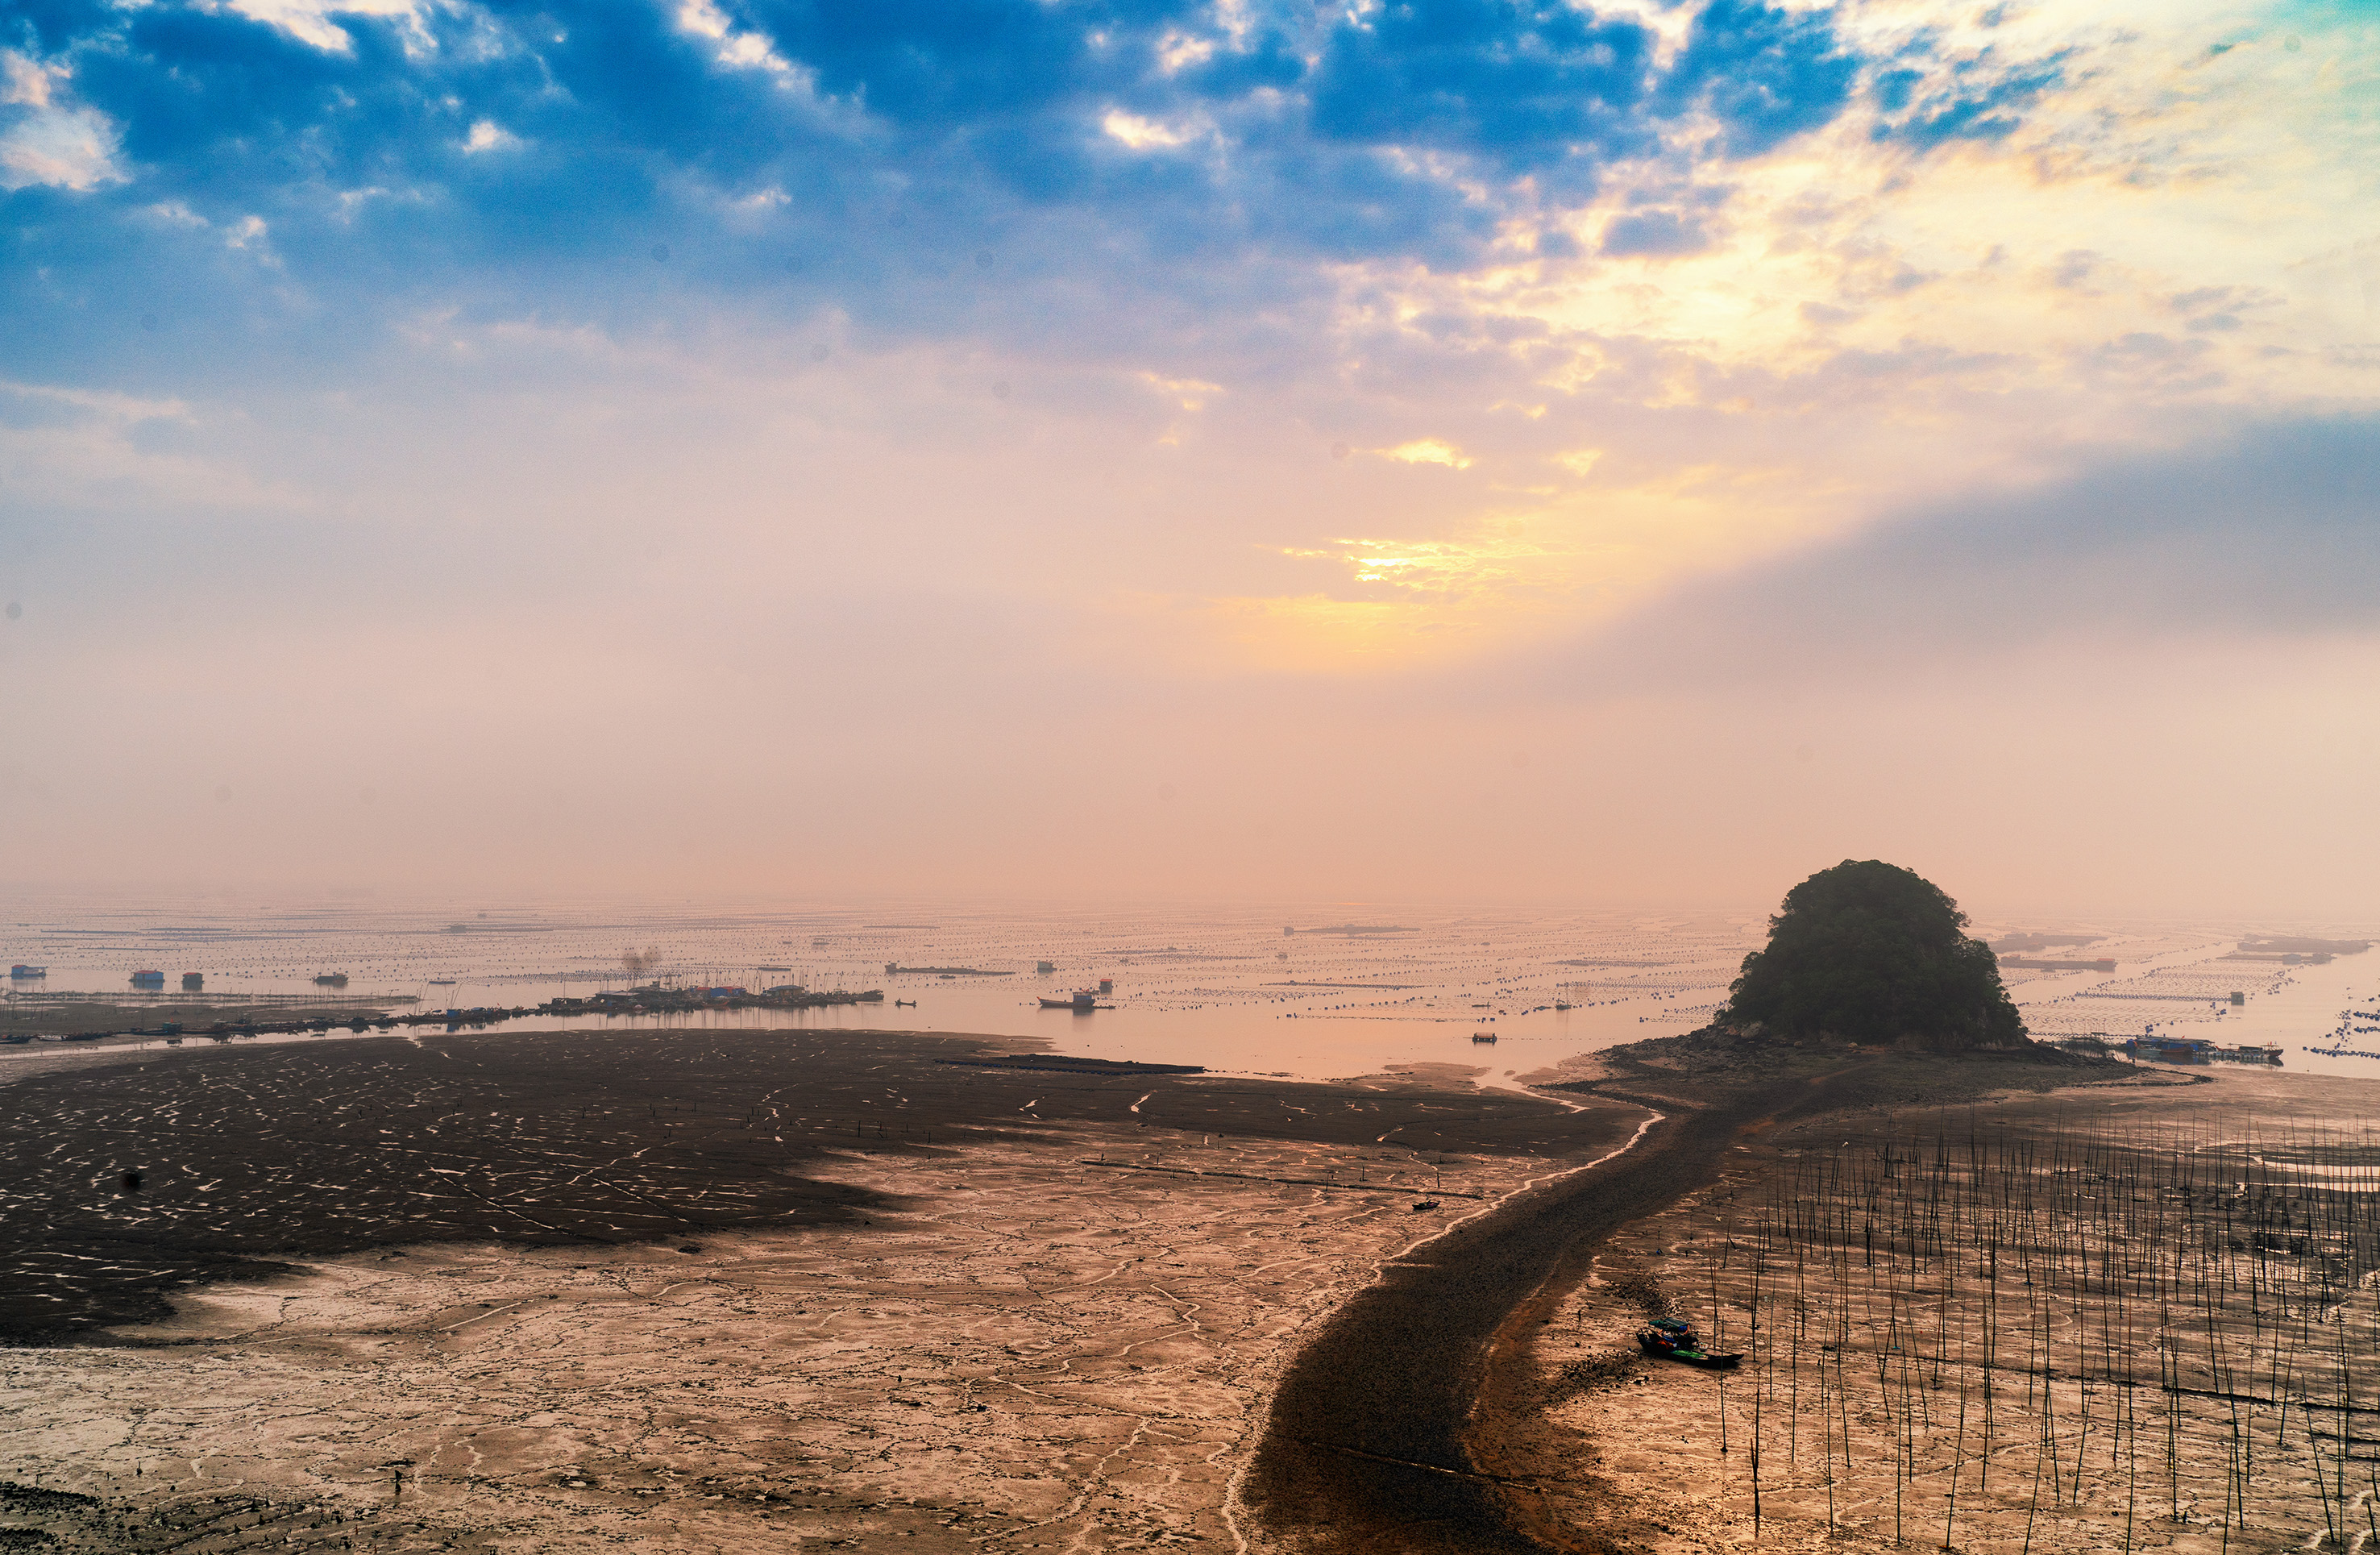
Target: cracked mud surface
(995,1345)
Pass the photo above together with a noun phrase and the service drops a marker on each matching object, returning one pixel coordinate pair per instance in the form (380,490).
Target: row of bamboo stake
(2076,1329)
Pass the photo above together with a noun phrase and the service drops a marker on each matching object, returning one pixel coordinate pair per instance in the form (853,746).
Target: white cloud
(51,143)
(310,19)
(487,134)
(73,148)
(1138,133)
(250,235)
(173,212)
(1178,51)
(749,51)
(1428,451)
(23,81)
(1191,393)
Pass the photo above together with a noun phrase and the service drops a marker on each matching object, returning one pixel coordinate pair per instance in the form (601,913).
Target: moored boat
(1672,1340)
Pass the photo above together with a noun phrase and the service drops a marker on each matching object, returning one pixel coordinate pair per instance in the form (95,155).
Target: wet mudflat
(837,1295)
(247,1156)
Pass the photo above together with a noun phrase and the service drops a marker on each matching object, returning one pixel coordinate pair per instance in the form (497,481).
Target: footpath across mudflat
(1386,1432)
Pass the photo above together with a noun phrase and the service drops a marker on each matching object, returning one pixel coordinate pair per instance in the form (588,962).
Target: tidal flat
(2110,1317)
(668,1291)
(743,1290)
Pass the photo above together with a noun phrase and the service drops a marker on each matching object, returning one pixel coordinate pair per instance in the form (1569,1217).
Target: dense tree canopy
(1867,952)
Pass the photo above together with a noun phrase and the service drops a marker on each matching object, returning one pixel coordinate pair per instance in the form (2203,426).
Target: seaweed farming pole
(1959,1452)
(1759,1372)
(1793,1353)
(2033,1504)
(1991,1242)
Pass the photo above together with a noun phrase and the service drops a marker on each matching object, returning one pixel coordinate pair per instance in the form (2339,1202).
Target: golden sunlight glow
(1190,394)
(1514,575)
(1427,450)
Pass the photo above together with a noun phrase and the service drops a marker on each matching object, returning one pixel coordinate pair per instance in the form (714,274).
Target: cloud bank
(1445,443)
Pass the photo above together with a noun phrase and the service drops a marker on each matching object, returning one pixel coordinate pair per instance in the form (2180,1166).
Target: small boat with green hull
(1669,1338)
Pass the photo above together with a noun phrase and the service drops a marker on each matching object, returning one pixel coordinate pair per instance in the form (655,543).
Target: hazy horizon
(1509,454)
(155,906)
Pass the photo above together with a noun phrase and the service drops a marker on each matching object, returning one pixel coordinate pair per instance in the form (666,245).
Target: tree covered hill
(1868,952)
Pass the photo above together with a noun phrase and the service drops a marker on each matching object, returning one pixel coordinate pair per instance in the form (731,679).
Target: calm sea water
(1310,991)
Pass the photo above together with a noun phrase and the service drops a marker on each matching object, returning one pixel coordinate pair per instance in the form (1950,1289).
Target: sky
(1408,450)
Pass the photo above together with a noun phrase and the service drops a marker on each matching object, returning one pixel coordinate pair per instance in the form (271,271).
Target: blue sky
(285,178)
(1314,391)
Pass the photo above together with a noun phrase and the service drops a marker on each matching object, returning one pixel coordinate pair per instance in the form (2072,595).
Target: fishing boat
(2198,1050)
(1483,1036)
(2173,1050)
(149,979)
(441,982)
(332,979)
(1081,999)
(21,971)
(1672,1340)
